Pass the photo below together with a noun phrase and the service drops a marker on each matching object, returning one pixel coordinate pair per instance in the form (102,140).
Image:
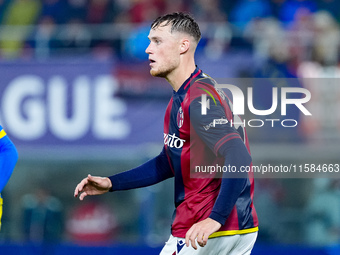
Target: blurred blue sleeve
(8,158)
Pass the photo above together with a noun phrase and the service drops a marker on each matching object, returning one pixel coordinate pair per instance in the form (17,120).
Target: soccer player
(8,159)
(212,215)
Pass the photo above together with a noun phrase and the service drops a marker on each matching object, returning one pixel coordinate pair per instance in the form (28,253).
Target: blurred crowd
(283,30)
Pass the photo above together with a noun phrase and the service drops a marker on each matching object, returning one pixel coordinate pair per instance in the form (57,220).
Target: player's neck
(178,76)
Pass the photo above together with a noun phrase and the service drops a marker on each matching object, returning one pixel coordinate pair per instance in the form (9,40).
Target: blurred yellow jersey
(1,201)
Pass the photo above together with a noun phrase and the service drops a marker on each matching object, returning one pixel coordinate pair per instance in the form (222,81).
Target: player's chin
(157,73)
(154,72)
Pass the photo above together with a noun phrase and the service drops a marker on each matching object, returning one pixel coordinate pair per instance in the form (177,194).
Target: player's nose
(148,49)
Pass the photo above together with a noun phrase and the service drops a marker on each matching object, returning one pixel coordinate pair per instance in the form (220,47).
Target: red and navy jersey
(192,140)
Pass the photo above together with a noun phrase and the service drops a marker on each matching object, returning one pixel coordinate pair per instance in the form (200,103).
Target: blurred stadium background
(76,97)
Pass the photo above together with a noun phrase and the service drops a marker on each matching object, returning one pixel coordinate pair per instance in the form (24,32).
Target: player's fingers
(90,177)
(193,243)
(192,238)
(80,187)
(205,239)
(200,239)
(82,196)
(94,180)
(75,193)
(77,190)
(187,237)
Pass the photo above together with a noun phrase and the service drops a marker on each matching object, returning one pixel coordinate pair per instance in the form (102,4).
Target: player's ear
(184,46)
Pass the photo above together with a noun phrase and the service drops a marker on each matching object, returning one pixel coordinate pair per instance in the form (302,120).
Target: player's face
(163,51)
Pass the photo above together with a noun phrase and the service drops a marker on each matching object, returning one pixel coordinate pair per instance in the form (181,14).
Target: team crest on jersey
(180,117)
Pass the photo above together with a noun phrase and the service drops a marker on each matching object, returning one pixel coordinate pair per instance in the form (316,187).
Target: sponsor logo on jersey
(180,117)
(215,122)
(173,141)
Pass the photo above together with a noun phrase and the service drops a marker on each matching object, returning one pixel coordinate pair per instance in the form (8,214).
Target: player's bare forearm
(201,231)
(92,185)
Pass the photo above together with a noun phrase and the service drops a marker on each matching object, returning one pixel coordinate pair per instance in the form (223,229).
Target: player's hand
(92,185)
(201,231)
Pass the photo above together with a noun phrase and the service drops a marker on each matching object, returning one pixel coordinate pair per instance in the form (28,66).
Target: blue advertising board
(48,105)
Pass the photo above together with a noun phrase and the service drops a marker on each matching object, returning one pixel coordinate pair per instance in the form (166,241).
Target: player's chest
(177,124)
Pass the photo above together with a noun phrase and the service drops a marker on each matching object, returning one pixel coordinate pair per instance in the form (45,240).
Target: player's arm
(153,171)
(232,185)
(149,173)
(8,158)
(230,190)
(225,141)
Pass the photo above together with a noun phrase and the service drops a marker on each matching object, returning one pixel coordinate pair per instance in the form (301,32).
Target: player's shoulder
(202,84)
(204,80)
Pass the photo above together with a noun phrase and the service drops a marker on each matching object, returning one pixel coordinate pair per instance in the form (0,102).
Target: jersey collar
(186,84)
